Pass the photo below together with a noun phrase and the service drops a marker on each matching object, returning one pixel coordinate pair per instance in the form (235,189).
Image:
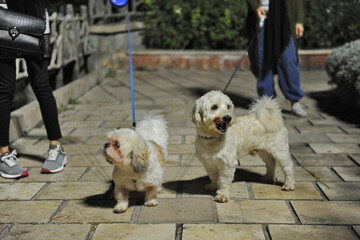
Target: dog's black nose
(107,145)
(227,118)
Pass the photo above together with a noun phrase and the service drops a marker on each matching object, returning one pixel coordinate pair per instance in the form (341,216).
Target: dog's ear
(196,114)
(139,159)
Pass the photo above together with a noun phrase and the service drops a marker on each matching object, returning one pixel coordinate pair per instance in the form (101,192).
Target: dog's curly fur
(139,157)
(223,139)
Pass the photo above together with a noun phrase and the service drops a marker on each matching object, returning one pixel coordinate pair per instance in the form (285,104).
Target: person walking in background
(39,80)
(276,25)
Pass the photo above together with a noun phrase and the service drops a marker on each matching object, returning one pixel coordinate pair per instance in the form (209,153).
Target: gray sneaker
(56,160)
(9,166)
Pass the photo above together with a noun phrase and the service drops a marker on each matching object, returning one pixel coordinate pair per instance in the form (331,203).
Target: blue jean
(287,69)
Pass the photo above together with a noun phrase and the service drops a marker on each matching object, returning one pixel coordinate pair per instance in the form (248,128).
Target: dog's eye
(214,107)
(228,106)
(117,144)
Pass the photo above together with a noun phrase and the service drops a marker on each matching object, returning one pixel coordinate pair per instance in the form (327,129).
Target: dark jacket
(295,12)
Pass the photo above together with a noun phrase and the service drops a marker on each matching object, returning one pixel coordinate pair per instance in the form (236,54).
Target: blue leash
(120,4)
(131,76)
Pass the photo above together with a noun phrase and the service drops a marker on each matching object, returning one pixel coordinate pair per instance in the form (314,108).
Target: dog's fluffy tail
(154,127)
(268,111)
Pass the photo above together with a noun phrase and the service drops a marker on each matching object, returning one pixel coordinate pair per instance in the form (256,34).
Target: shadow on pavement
(196,186)
(328,102)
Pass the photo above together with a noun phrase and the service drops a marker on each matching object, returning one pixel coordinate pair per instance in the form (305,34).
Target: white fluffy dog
(139,157)
(222,139)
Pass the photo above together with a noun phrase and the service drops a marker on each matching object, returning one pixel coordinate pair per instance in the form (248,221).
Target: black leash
(238,66)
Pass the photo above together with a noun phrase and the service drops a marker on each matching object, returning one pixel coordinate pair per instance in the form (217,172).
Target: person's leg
(7,91)
(9,168)
(265,80)
(39,80)
(289,78)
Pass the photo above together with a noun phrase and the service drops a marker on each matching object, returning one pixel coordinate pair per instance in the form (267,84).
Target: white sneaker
(298,110)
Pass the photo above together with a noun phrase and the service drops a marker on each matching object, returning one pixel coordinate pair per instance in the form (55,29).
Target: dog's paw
(222,198)
(268,179)
(210,187)
(288,187)
(151,203)
(121,207)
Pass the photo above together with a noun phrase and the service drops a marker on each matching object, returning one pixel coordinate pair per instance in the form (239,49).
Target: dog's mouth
(220,124)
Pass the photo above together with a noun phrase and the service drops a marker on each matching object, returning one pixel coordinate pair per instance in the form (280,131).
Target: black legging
(39,80)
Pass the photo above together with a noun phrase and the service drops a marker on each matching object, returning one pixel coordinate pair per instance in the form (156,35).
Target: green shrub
(196,24)
(330,23)
(343,66)
(214,24)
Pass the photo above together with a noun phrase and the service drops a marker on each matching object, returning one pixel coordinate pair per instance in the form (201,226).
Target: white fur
(261,131)
(137,158)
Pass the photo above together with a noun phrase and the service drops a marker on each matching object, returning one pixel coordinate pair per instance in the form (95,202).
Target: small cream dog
(222,139)
(139,157)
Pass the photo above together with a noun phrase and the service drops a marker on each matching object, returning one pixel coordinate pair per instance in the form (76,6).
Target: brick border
(215,60)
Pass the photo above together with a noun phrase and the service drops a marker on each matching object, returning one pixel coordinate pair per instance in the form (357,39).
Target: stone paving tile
(27,211)
(300,174)
(348,173)
(91,131)
(254,211)
(2,227)
(355,157)
(357,229)
(135,232)
(97,140)
(99,174)
(344,148)
(342,190)
(173,160)
(344,138)
(324,160)
(251,160)
(319,129)
(83,149)
(26,161)
(88,160)
(178,210)
(303,190)
(175,139)
(190,139)
(74,190)
(184,173)
(280,232)
(222,231)
(19,191)
(351,130)
(81,124)
(190,159)
(181,149)
(89,211)
(48,231)
(175,131)
(309,138)
(319,212)
(300,148)
(69,174)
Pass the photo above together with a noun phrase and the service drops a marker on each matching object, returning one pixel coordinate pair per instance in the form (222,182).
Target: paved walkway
(76,204)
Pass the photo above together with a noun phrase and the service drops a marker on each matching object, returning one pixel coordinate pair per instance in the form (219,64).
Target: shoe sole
(56,170)
(23,174)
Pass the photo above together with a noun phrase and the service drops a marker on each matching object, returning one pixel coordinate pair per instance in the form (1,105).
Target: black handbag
(20,34)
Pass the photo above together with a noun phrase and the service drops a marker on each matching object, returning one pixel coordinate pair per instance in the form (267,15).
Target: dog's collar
(206,138)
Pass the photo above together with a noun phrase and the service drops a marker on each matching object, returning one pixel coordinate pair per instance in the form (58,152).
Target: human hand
(299,30)
(260,11)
